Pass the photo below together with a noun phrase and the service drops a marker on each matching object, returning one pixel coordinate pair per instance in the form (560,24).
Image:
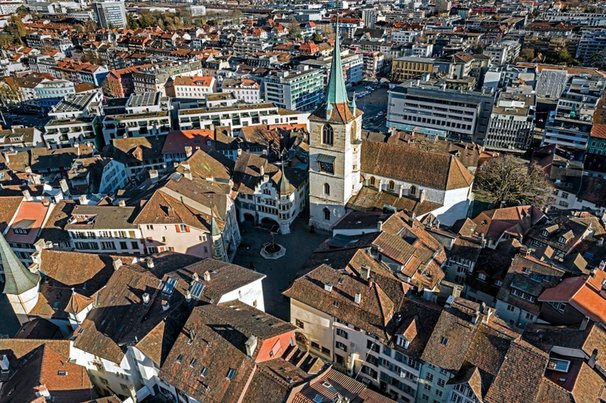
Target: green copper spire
(337,93)
(17,278)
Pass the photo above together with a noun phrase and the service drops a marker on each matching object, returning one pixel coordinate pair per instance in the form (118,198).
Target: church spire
(336,93)
(18,279)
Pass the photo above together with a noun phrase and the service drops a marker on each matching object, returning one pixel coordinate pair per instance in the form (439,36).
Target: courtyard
(299,244)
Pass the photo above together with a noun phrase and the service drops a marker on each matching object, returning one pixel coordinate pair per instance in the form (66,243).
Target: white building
(458,115)
(73,119)
(246,90)
(190,86)
(110,14)
(511,126)
(238,116)
(300,90)
(269,194)
(104,229)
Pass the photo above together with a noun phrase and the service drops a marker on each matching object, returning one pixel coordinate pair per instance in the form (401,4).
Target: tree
(509,181)
(317,37)
(294,29)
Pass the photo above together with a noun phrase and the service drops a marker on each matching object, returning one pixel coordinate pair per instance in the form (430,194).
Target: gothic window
(413,190)
(372,181)
(326,214)
(327,135)
(392,185)
(326,189)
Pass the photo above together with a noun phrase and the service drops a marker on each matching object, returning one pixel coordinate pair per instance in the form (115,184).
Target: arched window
(326,189)
(413,190)
(326,214)
(392,185)
(372,181)
(327,135)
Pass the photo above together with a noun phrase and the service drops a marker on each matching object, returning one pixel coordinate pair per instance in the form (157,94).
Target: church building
(348,173)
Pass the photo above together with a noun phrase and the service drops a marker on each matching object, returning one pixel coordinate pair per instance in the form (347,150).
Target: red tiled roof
(583,293)
(30,217)
(599,131)
(177,141)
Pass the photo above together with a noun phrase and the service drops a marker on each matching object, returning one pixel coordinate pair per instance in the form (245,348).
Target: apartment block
(570,124)
(73,120)
(238,116)
(300,90)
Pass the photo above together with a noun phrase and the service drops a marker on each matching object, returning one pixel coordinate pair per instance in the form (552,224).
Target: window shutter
(177,228)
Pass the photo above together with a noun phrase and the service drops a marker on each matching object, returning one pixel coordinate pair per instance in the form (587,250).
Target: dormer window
(402,341)
(545,233)
(562,240)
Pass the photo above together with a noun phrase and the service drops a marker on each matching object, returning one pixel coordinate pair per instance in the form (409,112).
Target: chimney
(251,346)
(165,305)
(358,298)
(153,175)
(328,287)
(366,272)
(187,173)
(594,357)
(195,277)
(421,195)
(380,226)
(149,261)
(121,203)
(145,298)
(26,195)
(207,276)
(64,186)
(584,323)
(117,263)
(188,151)
(83,199)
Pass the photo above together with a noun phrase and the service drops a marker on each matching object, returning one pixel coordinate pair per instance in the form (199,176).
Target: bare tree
(509,181)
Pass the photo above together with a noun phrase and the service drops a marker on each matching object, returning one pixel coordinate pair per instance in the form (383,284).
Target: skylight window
(444,340)
(203,371)
(169,286)
(180,358)
(558,365)
(231,374)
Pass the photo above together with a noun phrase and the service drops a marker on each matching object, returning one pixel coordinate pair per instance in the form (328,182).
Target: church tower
(20,285)
(335,141)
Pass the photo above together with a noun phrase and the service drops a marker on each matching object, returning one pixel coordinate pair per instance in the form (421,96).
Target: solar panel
(196,289)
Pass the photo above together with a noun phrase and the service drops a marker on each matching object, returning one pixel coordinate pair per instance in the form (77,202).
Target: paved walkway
(299,244)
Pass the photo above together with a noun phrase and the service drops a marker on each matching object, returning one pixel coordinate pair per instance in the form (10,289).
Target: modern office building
(110,14)
(570,124)
(511,123)
(301,90)
(443,112)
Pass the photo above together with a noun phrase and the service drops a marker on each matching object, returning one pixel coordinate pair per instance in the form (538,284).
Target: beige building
(405,68)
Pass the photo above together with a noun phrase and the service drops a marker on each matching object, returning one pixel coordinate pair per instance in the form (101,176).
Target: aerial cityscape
(276,201)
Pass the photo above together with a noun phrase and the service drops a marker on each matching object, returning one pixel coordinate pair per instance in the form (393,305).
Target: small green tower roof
(17,278)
